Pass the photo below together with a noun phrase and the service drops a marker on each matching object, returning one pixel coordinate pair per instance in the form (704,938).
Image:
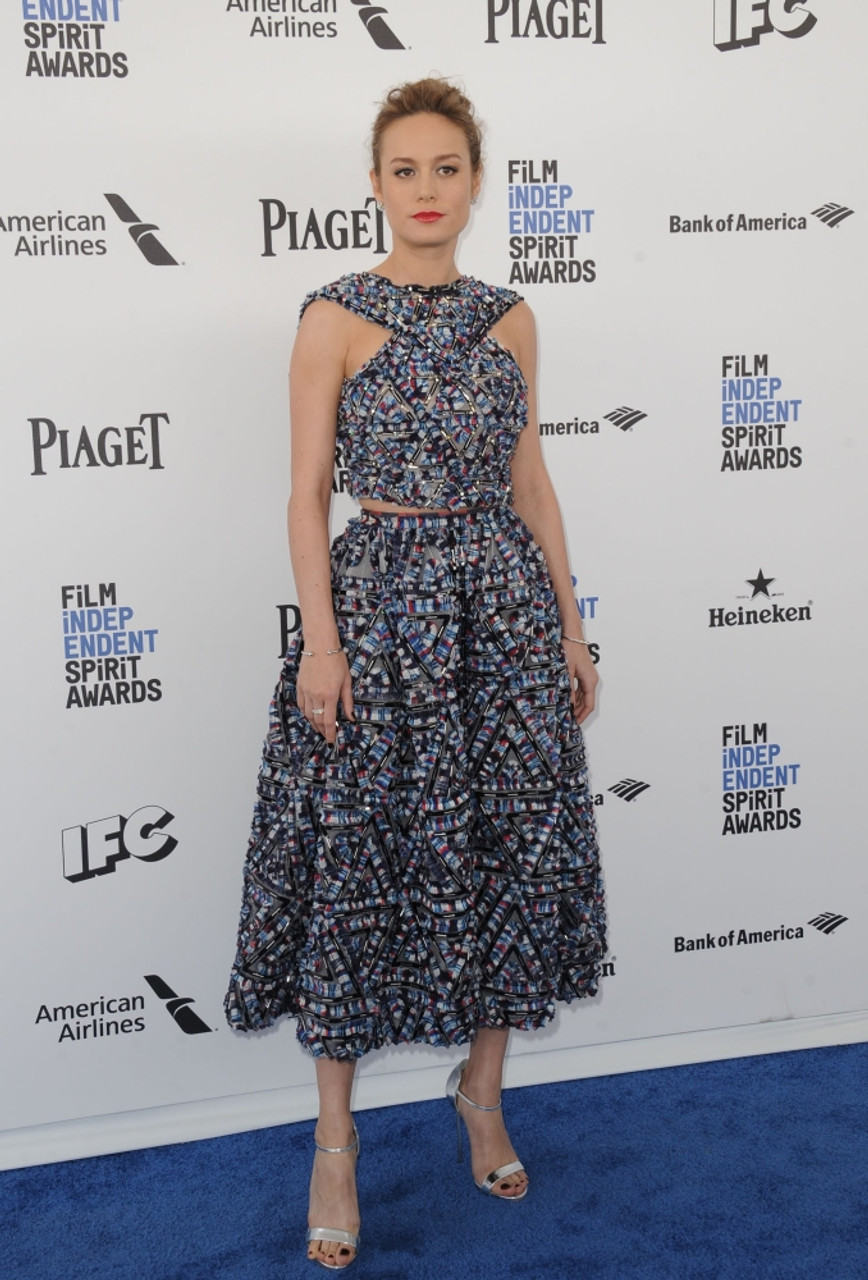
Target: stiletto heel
(334,1235)
(453,1091)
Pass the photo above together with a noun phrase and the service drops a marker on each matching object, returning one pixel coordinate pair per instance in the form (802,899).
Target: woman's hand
(323,681)
(583,679)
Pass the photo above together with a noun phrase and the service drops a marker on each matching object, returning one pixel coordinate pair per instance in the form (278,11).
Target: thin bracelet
(575,639)
(311,653)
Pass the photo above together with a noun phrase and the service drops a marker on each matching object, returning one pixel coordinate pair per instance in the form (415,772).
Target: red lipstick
(428,215)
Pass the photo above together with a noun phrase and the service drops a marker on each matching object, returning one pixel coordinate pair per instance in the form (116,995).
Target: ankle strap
(477,1105)
(339,1151)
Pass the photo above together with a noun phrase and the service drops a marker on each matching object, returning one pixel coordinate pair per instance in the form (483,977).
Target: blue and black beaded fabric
(433,418)
(437,870)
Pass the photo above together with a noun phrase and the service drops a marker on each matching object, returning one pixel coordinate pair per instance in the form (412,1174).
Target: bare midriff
(392,509)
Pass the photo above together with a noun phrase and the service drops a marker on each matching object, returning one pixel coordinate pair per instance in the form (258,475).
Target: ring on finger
(318,711)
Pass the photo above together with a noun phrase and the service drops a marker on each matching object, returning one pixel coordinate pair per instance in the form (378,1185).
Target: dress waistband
(437,513)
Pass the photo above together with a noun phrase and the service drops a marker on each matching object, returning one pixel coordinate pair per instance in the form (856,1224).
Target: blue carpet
(755,1169)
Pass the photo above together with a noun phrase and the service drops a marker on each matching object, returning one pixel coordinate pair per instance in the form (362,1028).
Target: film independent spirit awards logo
(107,661)
(103,1017)
(758,418)
(757,782)
(549,229)
(74,39)
(61,234)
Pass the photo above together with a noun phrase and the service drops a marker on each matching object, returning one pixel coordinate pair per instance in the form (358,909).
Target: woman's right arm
(315,376)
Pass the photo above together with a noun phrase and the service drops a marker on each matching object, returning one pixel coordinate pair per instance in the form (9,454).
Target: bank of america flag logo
(142,233)
(625,417)
(827,921)
(629,788)
(372,15)
(832,214)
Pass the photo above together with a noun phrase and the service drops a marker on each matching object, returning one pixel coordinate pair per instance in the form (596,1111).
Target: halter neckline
(450,287)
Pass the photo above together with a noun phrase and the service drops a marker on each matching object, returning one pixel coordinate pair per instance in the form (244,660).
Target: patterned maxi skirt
(437,870)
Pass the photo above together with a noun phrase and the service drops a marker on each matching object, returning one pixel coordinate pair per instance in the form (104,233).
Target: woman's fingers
(583,683)
(318,690)
(347,696)
(321,713)
(588,698)
(327,722)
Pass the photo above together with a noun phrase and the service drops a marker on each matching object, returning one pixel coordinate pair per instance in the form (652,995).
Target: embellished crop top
(433,418)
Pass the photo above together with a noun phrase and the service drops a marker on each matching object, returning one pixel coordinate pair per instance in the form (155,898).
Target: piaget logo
(301,229)
(544,20)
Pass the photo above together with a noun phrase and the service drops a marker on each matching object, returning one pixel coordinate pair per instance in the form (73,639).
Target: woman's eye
(448,168)
(402,173)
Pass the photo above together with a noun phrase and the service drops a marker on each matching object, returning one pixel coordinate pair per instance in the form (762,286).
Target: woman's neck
(409,268)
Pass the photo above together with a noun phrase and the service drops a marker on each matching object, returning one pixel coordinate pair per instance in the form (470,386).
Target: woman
(423,862)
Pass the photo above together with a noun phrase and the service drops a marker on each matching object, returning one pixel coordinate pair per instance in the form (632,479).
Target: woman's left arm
(535,501)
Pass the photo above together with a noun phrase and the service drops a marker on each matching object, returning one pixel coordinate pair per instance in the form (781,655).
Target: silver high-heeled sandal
(333,1234)
(453,1091)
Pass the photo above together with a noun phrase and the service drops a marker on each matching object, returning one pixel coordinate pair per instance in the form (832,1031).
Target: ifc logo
(96,848)
(739,23)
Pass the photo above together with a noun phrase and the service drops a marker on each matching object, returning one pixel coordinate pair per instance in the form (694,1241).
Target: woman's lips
(428,216)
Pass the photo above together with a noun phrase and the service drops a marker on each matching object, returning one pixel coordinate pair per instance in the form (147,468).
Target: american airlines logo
(827,922)
(142,233)
(372,15)
(178,1006)
(629,788)
(625,417)
(832,214)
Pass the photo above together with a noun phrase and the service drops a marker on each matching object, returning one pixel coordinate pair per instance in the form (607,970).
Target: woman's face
(426,181)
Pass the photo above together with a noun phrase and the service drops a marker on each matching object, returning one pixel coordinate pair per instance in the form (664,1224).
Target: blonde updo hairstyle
(434,95)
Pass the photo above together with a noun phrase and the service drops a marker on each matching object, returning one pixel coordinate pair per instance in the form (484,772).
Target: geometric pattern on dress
(438,870)
(432,419)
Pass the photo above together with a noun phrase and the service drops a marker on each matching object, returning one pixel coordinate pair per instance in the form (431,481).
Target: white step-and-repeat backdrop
(679,191)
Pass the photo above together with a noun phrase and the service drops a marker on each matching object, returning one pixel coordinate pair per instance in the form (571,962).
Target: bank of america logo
(629,788)
(832,214)
(381,34)
(827,922)
(142,233)
(625,417)
(178,1006)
